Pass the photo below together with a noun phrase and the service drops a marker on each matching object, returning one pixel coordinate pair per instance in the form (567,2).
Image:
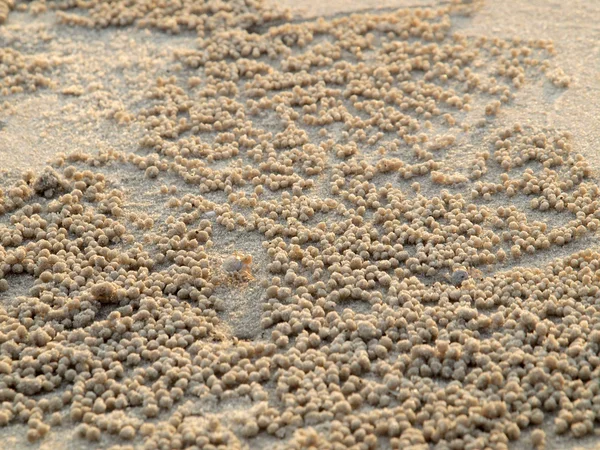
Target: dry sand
(252,230)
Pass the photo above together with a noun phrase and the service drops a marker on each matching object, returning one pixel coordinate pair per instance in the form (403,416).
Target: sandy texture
(361,225)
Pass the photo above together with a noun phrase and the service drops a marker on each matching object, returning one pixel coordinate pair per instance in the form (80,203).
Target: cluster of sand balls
(174,18)
(23,73)
(401,302)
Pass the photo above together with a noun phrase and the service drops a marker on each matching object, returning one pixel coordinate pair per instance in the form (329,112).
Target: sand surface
(299,224)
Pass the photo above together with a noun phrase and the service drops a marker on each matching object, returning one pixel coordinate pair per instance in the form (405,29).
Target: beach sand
(299,224)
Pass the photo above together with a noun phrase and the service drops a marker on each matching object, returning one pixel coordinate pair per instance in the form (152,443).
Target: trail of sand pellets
(242,229)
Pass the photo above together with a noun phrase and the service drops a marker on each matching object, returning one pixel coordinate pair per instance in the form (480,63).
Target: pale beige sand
(98,94)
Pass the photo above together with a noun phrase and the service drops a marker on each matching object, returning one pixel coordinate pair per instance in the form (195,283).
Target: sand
(100,103)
